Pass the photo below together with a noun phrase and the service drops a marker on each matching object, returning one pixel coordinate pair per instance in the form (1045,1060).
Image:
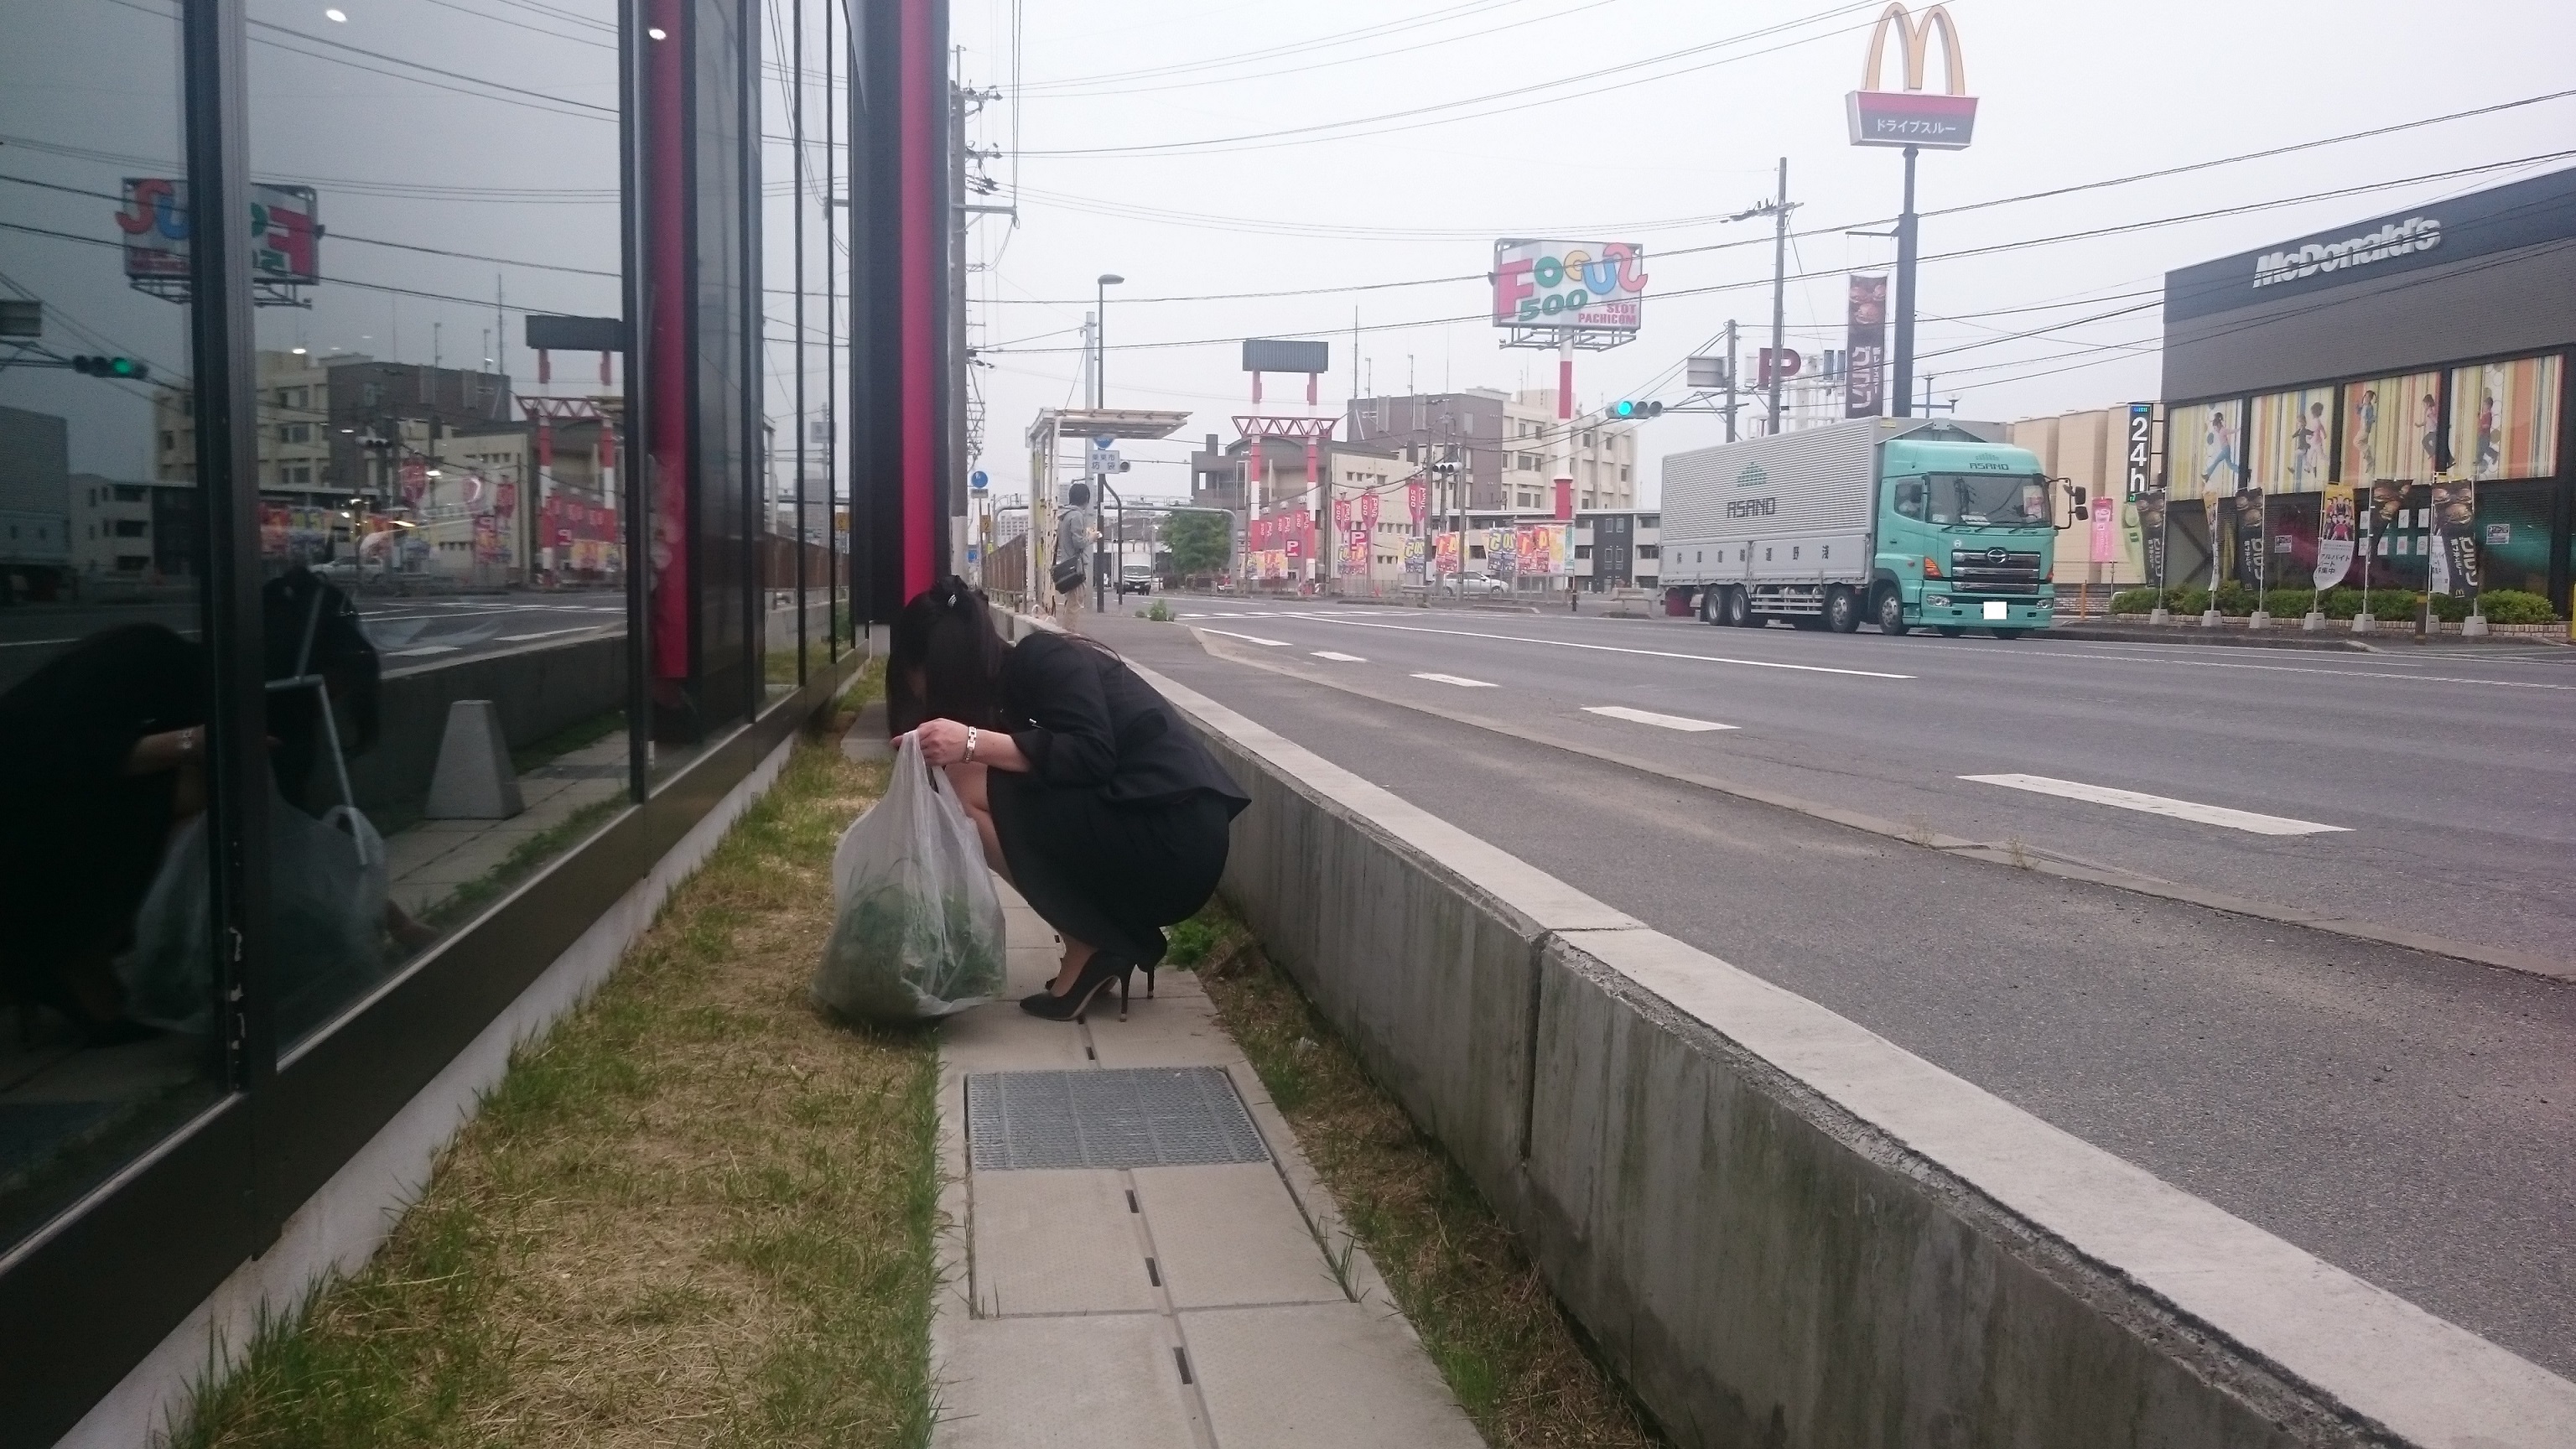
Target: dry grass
(697,1214)
(1514,1359)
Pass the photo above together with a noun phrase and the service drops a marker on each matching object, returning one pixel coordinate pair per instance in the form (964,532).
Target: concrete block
(1057,1242)
(473,779)
(1329,1373)
(1063,1383)
(1230,1234)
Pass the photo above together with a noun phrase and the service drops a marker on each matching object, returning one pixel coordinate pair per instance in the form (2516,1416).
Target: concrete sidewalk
(1135,1253)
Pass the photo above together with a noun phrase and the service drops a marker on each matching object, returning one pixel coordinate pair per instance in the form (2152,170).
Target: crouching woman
(1090,796)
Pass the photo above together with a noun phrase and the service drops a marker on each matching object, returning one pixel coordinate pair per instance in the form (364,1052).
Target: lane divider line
(1660,721)
(1250,638)
(1600,648)
(1338,657)
(2191,810)
(1462,683)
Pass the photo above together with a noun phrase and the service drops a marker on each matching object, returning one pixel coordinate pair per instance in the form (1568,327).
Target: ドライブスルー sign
(1941,121)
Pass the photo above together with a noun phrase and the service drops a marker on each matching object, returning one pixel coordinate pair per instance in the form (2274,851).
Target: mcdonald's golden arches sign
(1936,120)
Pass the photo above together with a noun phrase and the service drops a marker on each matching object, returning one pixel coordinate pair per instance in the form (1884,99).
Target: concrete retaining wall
(1784,1230)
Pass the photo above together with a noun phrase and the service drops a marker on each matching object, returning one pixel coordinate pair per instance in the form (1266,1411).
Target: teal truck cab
(1890,521)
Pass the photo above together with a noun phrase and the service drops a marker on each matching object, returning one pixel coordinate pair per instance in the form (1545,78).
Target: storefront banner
(2152,523)
(1445,553)
(1342,515)
(1369,509)
(1499,555)
(2504,419)
(1413,555)
(2334,539)
(2453,537)
(2390,427)
(2205,449)
(1417,501)
(1355,551)
(1541,548)
(2253,546)
(2106,536)
(2293,440)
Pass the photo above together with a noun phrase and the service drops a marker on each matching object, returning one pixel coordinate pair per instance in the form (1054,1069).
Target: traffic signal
(1632,408)
(124,367)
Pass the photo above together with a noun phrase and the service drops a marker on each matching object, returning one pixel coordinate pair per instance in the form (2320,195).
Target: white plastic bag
(327,888)
(916,923)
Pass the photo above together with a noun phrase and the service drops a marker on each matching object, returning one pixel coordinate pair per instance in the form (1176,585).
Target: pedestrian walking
(1088,793)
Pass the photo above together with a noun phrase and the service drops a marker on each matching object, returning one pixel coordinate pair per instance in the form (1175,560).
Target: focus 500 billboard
(1598,286)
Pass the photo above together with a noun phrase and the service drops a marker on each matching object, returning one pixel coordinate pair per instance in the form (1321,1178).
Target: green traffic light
(1626,408)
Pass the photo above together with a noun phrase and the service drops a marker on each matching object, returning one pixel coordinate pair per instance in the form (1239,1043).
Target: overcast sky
(1717,94)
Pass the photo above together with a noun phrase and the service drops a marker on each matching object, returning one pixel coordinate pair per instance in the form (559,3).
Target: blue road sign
(977,480)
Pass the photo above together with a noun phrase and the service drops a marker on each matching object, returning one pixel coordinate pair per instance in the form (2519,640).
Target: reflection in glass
(441,526)
(104,876)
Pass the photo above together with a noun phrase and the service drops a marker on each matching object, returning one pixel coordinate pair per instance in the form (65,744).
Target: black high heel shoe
(1097,973)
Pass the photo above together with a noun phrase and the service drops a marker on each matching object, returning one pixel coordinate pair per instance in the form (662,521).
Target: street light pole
(1905,294)
(1100,340)
(1779,291)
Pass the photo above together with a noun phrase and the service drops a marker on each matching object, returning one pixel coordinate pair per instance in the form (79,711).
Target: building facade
(2381,403)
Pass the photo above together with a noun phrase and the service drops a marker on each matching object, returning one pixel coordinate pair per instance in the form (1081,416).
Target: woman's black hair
(945,640)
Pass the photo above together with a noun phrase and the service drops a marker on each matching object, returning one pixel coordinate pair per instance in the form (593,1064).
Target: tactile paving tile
(1133,1117)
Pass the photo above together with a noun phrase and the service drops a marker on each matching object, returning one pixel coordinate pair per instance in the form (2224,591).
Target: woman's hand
(943,741)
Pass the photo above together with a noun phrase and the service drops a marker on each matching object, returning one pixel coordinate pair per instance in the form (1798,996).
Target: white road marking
(1338,657)
(1663,721)
(2245,820)
(421,649)
(1462,683)
(546,633)
(1603,648)
(2378,671)
(27,643)
(1251,638)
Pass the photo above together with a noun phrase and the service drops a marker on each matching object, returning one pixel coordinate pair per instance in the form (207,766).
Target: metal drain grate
(1130,1117)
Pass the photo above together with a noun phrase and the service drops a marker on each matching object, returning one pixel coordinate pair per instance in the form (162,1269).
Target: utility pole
(1730,379)
(1905,291)
(1779,291)
(954,485)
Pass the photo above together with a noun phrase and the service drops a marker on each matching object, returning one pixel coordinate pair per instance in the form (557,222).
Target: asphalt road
(406,631)
(2407,1116)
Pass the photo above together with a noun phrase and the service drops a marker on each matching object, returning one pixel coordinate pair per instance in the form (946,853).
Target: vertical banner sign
(2106,539)
(2145,498)
(2453,567)
(1865,333)
(2253,539)
(2334,539)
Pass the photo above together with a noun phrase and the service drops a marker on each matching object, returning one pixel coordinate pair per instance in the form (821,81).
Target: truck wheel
(1949,631)
(1739,609)
(1712,604)
(1891,612)
(2007,633)
(1842,611)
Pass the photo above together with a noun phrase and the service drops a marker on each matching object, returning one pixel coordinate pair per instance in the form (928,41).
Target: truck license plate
(1994,608)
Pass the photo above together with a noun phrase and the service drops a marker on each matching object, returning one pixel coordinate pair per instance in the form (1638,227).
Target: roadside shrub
(2134,601)
(2341,603)
(2234,600)
(2289,603)
(2517,606)
(2193,601)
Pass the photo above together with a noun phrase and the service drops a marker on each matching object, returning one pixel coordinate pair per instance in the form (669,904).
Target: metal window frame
(89,1295)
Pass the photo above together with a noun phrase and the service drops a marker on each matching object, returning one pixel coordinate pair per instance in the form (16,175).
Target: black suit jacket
(1091,723)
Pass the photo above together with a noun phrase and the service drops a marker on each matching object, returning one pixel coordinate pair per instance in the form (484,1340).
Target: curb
(2025,858)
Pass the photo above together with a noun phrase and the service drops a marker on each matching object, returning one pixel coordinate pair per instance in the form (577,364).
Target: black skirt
(1109,875)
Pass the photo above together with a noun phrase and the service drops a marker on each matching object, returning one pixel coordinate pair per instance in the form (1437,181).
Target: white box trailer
(1799,527)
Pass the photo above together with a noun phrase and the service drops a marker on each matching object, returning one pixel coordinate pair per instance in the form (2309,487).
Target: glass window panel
(105,950)
(442,517)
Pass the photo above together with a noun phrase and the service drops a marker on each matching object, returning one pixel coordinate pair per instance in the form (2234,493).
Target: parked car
(1471,586)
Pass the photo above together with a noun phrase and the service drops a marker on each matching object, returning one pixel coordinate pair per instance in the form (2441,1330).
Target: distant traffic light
(1632,408)
(123,367)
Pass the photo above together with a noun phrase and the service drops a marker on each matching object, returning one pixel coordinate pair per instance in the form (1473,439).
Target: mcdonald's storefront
(2382,403)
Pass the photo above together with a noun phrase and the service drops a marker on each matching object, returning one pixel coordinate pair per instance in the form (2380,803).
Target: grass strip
(1515,1360)
(696,1213)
